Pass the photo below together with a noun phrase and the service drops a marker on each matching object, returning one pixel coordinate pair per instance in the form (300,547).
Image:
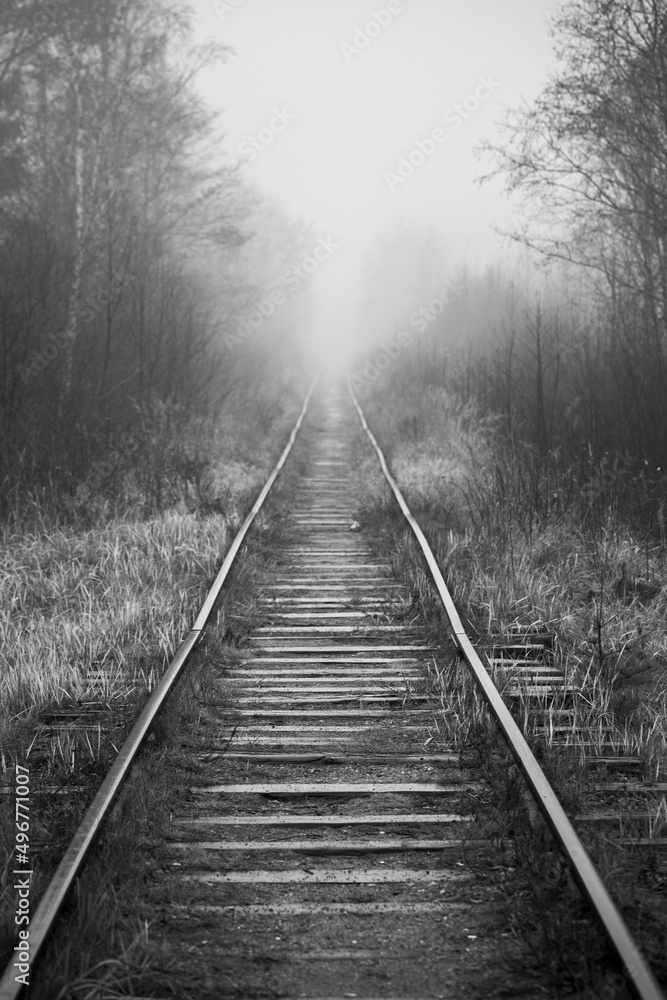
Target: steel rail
(42,922)
(634,967)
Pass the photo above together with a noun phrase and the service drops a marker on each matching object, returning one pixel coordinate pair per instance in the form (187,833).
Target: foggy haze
(362,121)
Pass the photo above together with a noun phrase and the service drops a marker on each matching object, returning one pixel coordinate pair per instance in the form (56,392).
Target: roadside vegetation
(108,942)
(93,608)
(528,544)
(111,580)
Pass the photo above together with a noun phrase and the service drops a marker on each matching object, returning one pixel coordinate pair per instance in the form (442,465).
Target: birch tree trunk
(71,333)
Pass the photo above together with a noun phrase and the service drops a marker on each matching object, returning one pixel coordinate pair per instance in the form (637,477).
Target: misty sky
(321,115)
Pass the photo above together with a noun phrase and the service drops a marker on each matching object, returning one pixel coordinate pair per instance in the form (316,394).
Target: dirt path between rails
(326,849)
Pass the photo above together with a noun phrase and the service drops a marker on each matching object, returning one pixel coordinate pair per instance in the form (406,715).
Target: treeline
(124,237)
(578,363)
(562,374)
(588,162)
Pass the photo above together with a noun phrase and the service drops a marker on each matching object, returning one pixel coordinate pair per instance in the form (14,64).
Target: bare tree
(111,181)
(589,158)
(589,162)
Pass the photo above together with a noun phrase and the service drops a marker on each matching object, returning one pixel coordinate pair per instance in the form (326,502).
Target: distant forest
(580,366)
(128,243)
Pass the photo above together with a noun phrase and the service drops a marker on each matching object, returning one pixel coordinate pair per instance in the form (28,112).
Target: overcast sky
(323,98)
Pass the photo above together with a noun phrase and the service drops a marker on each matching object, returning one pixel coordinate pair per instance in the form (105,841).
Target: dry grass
(106,598)
(108,579)
(525,548)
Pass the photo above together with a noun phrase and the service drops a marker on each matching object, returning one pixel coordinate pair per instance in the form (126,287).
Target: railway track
(324,847)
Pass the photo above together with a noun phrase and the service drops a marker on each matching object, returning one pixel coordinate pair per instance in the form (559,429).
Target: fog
(363,120)
(319,195)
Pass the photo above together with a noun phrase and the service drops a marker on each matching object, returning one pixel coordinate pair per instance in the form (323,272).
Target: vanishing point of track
(321,809)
